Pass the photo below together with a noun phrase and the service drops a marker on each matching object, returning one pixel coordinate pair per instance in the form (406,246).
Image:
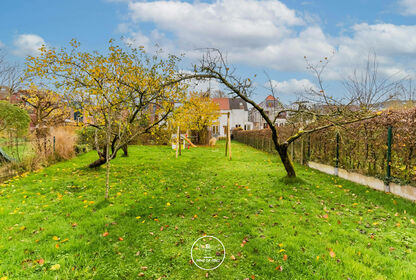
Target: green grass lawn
(54,223)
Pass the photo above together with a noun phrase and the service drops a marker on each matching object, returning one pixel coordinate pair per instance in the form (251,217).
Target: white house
(238,116)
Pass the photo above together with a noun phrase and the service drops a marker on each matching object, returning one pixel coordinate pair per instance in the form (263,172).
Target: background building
(272,107)
(238,115)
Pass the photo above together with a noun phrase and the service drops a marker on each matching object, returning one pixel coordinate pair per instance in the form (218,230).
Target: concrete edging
(407,191)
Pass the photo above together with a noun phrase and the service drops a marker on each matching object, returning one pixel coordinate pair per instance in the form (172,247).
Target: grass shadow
(102,204)
(292,181)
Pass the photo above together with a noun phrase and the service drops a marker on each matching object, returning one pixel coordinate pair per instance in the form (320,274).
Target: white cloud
(408,7)
(123,27)
(2,45)
(138,39)
(27,44)
(394,46)
(221,23)
(268,34)
(259,32)
(292,86)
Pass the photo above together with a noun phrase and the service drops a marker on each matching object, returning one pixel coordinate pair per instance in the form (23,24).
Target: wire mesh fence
(21,154)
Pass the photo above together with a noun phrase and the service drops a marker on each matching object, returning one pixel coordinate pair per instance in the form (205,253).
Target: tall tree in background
(124,93)
(48,110)
(197,113)
(11,75)
(369,89)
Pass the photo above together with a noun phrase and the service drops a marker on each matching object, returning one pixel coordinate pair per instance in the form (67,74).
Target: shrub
(65,141)
(86,136)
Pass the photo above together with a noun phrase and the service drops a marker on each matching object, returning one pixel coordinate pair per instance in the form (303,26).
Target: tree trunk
(97,163)
(125,150)
(102,156)
(287,163)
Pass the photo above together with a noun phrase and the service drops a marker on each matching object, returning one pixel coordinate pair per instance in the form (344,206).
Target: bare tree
(11,75)
(213,65)
(408,91)
(368,89)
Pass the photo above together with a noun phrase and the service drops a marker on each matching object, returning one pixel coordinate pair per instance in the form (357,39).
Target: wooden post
(226,142)
(229,136)
(177,142)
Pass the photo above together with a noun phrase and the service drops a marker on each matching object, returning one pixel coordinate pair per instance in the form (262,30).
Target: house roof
(270,97)
(222,103)
(238,103)
(231,103)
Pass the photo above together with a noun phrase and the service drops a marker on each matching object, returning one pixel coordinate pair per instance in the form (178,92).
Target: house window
(215,129)
(265,125)
(238,125)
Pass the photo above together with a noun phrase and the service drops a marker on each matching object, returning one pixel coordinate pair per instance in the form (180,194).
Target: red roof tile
(223,103)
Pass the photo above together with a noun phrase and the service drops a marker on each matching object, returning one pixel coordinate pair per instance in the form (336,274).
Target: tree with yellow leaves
(47,109)
(124,92)
(197,113)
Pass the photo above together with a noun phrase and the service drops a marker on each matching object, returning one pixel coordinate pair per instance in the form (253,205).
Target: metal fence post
(54,144)
(388,168)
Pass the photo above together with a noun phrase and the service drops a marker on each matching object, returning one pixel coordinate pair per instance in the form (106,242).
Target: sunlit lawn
(54,223)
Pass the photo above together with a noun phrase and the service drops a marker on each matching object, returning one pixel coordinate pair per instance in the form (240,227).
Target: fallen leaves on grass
(105,234)
(244,241)
(56,266)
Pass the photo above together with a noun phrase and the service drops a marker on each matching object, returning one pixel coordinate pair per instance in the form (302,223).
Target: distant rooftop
(231,103)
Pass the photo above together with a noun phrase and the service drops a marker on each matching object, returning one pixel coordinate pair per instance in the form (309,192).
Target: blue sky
(258,36)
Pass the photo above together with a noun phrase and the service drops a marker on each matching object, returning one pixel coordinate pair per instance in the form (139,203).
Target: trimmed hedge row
(362,147)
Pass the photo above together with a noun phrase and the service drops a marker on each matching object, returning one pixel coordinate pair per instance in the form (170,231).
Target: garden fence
(18,154)
(383,147)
